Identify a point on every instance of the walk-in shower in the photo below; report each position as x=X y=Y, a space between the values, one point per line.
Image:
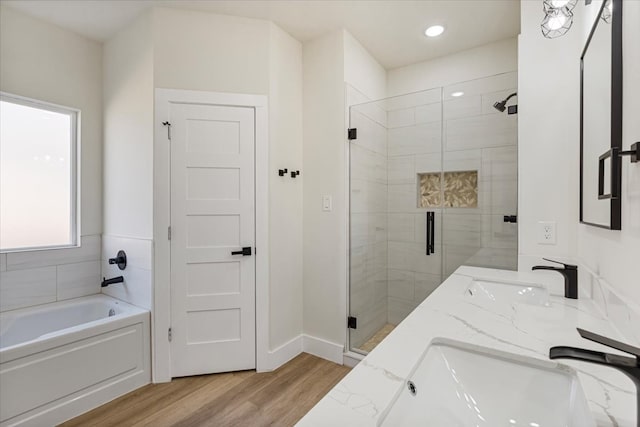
x=433 y=186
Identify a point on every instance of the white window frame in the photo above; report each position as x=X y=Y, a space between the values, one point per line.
x=75 y=181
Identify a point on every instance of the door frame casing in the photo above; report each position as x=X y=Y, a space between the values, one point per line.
x=161 y=315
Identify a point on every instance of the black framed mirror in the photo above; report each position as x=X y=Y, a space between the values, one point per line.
x=601 y=120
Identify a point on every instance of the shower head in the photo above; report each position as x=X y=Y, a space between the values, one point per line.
x=502 y=105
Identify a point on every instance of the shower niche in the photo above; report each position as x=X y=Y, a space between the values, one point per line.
x=451 y=189
x=432 y=175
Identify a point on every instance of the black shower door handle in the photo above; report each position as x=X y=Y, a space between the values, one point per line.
x=431 y=232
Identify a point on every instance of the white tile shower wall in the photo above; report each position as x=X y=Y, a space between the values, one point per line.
x=473 y=136
x=39 y=277
x=137 y=288
x=414 y=144
x=368 y=222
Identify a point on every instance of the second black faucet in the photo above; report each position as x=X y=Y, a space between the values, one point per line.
x=570 y=273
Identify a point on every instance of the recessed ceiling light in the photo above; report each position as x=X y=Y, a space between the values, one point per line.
x=434 y=31
x=457 y=94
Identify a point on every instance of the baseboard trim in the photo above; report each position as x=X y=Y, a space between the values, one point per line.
x=284 y=353
x=322 y=348
x=304 y=343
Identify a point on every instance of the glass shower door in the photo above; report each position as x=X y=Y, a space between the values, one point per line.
x=395 y=212
x=367 y=223
x=433 y=186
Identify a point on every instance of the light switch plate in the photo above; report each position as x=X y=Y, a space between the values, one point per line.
x=326 y=203
x=547 y=232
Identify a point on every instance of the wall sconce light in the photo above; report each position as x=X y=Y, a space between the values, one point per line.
x=558 y=17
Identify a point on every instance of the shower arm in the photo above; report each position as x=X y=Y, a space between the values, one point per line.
x=509 y=97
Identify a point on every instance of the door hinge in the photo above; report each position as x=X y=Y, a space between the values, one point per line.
x=352 y=322
x=168 y=125
x=169 y=232
x=170 y=334
x=352 y=133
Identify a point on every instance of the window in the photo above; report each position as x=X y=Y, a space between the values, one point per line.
x=38 y=175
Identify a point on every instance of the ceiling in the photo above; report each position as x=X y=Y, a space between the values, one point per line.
x=392 y=31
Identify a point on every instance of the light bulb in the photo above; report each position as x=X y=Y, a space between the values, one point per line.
x=457 y=94
x=557 y=21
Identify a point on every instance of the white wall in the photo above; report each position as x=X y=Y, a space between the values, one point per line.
x=128 y=118
x=336 y=70
x=549 y=122
x=483 y=61
x=324 y=233
x=285 y=193
x=128 y=160
x=362 y=71
x=189 y=50
x=548 y=93
x=205 y=51
x=48 y=63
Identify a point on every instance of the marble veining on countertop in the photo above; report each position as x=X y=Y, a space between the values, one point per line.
x=528 y=330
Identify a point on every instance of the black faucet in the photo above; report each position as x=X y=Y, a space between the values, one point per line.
x=107 y=282
x=628 y=365
x=570 y=273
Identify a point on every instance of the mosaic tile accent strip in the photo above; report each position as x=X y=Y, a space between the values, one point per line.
x=460 y=189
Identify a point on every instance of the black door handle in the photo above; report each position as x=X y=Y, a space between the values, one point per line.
x=431 y=232
x=246 y=251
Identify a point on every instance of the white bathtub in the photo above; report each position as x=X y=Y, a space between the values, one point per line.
x=59 y=360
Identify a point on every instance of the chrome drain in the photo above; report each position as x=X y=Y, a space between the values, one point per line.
x=412 y=388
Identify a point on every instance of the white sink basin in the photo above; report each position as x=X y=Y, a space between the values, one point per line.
x=459 y=385
x=524 y=293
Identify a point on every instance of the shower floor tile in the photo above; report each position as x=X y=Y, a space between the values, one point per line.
x=377 y=337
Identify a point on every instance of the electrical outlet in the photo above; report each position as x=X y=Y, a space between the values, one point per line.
x=547 y=232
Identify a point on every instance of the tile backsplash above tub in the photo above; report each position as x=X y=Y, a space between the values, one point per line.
x=38 y=277
x=137 y=286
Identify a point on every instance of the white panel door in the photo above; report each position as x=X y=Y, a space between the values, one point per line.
x=212 y=215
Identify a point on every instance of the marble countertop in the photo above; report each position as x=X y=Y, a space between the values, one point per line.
x=362 y=396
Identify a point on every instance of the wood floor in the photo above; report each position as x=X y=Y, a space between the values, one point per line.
x=278 y=398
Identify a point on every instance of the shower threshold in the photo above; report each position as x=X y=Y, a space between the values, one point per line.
x=377 y=338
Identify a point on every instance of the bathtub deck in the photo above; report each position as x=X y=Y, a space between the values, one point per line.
x=278 y=398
